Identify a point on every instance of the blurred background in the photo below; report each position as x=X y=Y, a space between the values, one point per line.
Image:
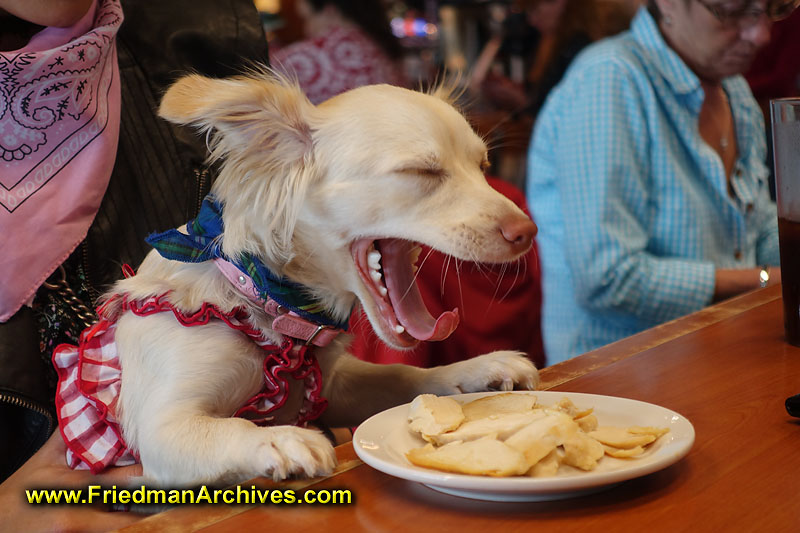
x=499 y=51
x=506 y=54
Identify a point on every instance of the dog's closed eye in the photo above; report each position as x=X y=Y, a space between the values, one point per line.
x=428 y=166
x=424 y=171
x=432 y=172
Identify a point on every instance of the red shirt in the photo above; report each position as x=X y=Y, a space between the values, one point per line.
x=494 y=316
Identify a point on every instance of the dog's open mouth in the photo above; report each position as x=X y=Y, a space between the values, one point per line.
x=387 y=267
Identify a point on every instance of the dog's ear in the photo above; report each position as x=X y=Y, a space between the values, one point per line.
x=261 y=129
x=258 y=112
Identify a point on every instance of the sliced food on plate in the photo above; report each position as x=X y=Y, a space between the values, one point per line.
x=512 y=435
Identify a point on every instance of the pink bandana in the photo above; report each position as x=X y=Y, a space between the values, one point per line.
x=59 y=125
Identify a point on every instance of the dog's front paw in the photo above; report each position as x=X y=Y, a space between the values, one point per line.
x=287 y=450
x=500 y=370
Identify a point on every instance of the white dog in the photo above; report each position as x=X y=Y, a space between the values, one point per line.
x=334 y=198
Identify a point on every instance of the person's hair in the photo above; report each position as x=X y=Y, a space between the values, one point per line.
x=579 y=19
x=579 y=16
x=652 y=7
x=370 y=16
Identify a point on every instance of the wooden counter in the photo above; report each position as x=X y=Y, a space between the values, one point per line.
x=726 y=368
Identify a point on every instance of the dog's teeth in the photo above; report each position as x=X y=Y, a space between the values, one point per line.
x=414 y=254
x=383 y=290
x=374 y=259
x=399 y=329
x=414 y=269
x=375 y=275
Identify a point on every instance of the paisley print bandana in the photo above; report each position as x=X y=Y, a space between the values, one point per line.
x=59 y=126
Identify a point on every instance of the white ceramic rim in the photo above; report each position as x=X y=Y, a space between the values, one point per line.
x=376 y=441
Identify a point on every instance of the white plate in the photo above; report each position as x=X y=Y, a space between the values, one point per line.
x=384 y=439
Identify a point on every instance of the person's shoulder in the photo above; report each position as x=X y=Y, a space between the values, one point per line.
x=604 y=67
x=619 y=53
x=609 y=71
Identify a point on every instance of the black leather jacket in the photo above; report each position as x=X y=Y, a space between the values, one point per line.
x=158 y=182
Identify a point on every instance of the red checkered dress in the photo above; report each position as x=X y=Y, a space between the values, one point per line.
x=89 y=382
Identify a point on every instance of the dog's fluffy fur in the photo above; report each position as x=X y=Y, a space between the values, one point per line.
x=305 y=188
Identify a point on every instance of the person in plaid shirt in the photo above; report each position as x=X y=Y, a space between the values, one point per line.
x=646 y=175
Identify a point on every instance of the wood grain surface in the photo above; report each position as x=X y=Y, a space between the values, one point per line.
x=726 y=368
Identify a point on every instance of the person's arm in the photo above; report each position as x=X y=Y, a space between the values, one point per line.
x=606 y=192
x=765 y=212
x=730 y=282
x=767 y=249
x=764 y=218
x=46 y=469
x=58 y=13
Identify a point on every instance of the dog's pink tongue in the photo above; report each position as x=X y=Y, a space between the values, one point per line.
x=405 y=296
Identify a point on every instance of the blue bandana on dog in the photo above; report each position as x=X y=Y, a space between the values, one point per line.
x=204 y=243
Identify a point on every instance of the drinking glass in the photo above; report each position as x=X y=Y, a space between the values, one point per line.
x=786 y=150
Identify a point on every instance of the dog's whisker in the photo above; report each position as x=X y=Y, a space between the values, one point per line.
x=507 y=118
x=458 y=278
x=419 y=269
x=489 y=137
x=513 y=282
x=361 y=318
x=484 y=271
x=524 y=264
x=497 y=283
x=443 y=277
x=421 y=264
x=508 y=143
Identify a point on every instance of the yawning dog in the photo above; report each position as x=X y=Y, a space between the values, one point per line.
x=315 y=209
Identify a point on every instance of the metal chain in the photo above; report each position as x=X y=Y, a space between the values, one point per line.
x=62 y=288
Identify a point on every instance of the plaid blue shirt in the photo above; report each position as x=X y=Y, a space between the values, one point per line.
x=632 y=205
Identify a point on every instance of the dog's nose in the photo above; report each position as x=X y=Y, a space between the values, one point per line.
x=519 y=232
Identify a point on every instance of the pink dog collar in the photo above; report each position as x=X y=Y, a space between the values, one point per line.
x=285 y=323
